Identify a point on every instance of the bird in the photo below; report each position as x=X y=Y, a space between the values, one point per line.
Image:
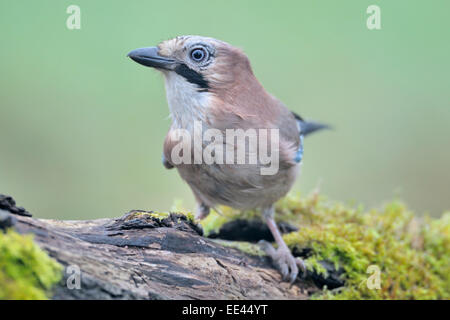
x=211 y=83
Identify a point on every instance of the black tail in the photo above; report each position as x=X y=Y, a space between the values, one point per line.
x=307 y=127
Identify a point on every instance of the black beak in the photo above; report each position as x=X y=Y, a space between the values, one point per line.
x=149 y=57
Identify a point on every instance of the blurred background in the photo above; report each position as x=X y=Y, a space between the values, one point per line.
x=82 y=126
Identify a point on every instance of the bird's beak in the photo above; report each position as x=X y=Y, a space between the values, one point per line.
x=149 y=57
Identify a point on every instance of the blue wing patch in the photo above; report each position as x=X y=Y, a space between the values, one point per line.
x=299 y=155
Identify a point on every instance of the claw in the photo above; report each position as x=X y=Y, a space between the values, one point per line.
x=284 y=261
x=302 y=266
x=294 y=269
x=284 y=270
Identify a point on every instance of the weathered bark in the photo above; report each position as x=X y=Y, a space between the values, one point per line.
x=142 y=257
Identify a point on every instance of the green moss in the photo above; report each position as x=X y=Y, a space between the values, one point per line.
x=246 y=247
x=215 y=220
x=190 y=216
x=411 y=253
x=287 y=209
x=152 y=214
x=180 y=209
x=26 y=272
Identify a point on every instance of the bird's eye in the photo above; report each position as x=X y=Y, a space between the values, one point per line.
x=198 y=54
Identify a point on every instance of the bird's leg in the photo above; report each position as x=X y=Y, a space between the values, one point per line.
x=282 y=256
x=202 y=211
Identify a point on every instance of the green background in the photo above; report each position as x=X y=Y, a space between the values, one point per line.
x=82 y=126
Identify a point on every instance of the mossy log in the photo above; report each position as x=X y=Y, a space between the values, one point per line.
x=386 y=253
x=141 y=256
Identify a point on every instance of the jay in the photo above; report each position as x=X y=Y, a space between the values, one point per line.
x=211 y=83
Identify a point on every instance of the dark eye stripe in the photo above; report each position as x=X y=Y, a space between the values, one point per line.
x=192 y=76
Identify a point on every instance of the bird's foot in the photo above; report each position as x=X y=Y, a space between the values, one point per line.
x=284 y=261
x=202 y=211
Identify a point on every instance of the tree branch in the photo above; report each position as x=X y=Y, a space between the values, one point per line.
x=142 y=256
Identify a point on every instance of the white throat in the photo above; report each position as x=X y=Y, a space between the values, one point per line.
x=186 y=103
